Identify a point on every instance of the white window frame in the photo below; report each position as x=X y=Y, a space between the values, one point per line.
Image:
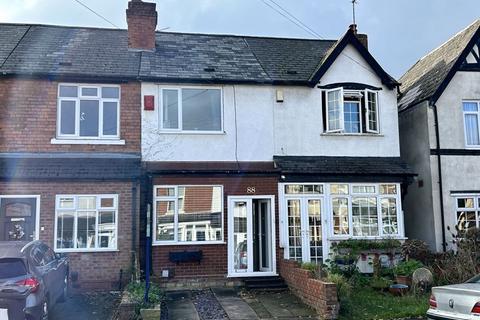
x=477 y=113
x=475 y=209
x=174 y=198
x=367 y=112
x=180 y=110
x=101 y=101
x=98 y=198
x=363 y=115
x=341 y=118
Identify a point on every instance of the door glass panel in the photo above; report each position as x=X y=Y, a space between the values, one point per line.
x=315 y=230
x=294 y=230
x=241 y=262
x=264 y=239
x=17 y=209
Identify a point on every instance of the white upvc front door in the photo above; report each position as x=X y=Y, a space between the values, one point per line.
x=242 y=230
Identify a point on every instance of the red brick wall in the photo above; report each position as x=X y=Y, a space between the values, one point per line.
x=96 y=270
x=215 y=256
x=321 y=296
x=28 y=118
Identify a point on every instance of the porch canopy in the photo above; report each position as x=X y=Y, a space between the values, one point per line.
x=343 y=169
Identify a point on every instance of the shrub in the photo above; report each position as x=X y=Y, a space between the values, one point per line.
x=417 y=250
x=380 y=283
x=406 y=268
x=344 y=288
x=136 y=292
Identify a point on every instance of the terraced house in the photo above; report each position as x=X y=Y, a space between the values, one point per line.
x=242 y=153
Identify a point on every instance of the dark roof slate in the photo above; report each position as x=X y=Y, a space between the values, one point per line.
x=425 y=77
x=50 y=50
x=343 y=166
x=89 y=168
x=79 y=52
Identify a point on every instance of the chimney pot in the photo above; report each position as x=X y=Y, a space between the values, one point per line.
x=142 y=22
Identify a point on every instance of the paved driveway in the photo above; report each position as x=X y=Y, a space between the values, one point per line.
x=226 y=303
x=94 y=306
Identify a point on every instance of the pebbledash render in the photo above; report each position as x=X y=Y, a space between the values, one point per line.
x=245 y=154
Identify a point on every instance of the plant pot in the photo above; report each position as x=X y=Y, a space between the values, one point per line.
x=398 y=289
x=406 y=280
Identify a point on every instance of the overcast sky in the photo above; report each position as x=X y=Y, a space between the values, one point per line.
x=400 y=31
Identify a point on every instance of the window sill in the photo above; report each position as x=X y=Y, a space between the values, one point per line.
x=88 y=141
x=192 y=243
x=472 y=147
x=194 y=133
x=85 y=250
x=333 y=134
x=343 y=238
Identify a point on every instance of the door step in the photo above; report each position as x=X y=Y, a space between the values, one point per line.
x=273 y=283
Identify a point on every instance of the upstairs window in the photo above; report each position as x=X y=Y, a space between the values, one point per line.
x=86 y=111
x=351 y=111
x=191 y=109
x=471 y=116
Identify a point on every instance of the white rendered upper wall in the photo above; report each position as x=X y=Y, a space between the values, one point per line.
x=256 y=127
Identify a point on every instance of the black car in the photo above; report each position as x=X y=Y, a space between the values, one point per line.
x=32 y=279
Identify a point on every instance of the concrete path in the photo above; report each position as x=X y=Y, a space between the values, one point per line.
x=180 y=306
x=235 y=307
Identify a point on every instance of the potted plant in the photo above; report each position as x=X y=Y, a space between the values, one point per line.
x=404 y=271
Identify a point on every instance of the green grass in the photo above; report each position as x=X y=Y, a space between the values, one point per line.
x=367 y=304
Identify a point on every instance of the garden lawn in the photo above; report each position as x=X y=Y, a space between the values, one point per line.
x=366 y=303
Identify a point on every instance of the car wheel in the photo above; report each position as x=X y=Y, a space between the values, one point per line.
x=64 y=295
x=45 y=309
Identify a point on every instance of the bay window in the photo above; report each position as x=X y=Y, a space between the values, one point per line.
x=188 y=214
x=364 y=210
x=351 y=111
x=191 y=109
x=86 y=222
x=471 y=117
x=88 y=111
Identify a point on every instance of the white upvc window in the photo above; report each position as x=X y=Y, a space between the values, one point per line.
x=189 y=214
x=467 y=211
x=191 y=109
x=88 y=111
x=365 y=210
x=86 y=222
x=352 y=111
x=371 y=111
x=471 y=119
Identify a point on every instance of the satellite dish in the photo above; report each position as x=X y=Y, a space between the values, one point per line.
x=422 y=278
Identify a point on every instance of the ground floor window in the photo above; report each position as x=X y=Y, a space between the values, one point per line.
x=86 y=222
x=313 y=213
x=188 y=214
x=467 y=212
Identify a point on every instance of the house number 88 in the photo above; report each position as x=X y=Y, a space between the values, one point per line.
x=250 y=189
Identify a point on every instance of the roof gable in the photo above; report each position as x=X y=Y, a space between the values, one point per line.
x=337 y=49
x=428 y=78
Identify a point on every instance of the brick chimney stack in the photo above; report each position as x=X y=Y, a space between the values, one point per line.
x=142 y=22
x=362 y=37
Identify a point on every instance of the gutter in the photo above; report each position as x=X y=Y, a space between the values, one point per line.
x=440 y=180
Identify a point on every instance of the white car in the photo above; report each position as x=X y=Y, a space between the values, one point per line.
x=456 y=302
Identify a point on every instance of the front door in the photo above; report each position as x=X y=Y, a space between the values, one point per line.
x=305 y=232
x=251 y=236
x=18 y=219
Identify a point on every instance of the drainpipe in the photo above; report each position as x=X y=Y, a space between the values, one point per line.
x=440 y=180
x=134 y=225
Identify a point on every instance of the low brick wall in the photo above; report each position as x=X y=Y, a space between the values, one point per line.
x=320 y=295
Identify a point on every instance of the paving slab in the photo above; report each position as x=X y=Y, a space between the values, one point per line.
x=235 y=307
x=180 y=306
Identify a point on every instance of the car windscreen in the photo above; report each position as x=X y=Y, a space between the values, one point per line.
x=475 y=279
x=12 y=268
